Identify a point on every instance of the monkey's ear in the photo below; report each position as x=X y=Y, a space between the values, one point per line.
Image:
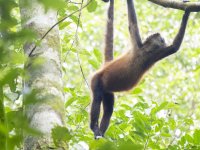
x=105 y=0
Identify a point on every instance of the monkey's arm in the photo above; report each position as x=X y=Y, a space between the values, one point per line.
x=108 y=50
x=133 y=26
x=178 y=39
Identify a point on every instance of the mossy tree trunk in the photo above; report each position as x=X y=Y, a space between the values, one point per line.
x=45 y=107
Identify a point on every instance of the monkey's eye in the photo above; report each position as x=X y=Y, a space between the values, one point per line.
x=162 y=40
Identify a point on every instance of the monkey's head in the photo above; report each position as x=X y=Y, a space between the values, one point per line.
x=153 y=42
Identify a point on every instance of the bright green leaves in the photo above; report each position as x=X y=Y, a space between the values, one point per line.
x=8 y=76
x=17 y=123
x=137 y=90
x=61 y=136
x=96 y=59
x=70 y=7
x=58 y=4
x=159 y=108
x=196 y=137
x=7 y=21
x=104 y=144
x=92 y=6
x=64 y=24
x=190 y=141
x=76 y=20
x=98 y=55
x=141 y=124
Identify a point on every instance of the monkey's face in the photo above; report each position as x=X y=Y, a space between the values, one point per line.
x=155 y=41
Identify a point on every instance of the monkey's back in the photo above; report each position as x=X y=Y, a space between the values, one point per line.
x=122 y=74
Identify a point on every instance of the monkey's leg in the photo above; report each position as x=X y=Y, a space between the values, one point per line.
x=108 y=103
x=95 y=111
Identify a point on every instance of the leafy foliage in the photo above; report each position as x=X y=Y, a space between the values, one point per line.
x=162 y=112
x=51 y=4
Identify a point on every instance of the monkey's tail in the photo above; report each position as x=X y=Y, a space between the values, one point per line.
x=108 y=50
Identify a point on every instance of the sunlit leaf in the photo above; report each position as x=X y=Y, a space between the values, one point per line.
x=60 y=134
x=64 y=24
x=53 y=4
x=196 y=136
x=92 y=6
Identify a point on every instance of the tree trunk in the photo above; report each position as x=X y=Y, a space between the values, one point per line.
x=45 y=108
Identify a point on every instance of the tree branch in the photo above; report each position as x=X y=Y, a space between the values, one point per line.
x=190 y=6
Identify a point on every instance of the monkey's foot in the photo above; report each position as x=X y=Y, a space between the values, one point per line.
x=98 y=137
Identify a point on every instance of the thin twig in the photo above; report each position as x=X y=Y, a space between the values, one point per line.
x=57 y=24
x=81 y=68
x=75 y=35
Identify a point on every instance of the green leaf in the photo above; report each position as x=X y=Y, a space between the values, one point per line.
x=8 y=75
x=196 y=136
x=84 y=52
x=64 y=24
x=165 y=132
x=188 y=121
x=130 y=146
x=93 y=63
x=182 y=141
x=12 y=85
x=159 y=108
x=141 y=105
x=189 y=138
x=97 y=143
x=92 y=6
x=98 y=55
x=60 y=135
x=69 y=102
x=141 y=134
x=73 y=8
x=75 y=19
x=53 y=4
x=137 y=91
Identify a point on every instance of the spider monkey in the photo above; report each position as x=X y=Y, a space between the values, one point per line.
x=125 y=72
